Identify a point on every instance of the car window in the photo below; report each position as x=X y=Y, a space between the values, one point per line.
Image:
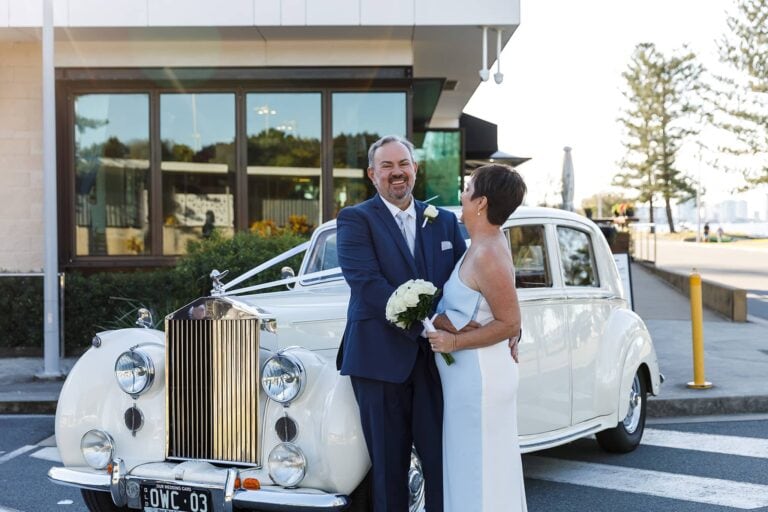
x=324 y=255
x=577 y=256
x=529 y=254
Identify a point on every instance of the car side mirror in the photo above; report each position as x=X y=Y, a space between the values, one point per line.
x=287 y=273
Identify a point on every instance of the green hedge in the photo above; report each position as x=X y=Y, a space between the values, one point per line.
x=109 y=300
x=21 y=320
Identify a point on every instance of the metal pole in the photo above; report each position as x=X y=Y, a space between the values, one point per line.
x=51 y=279
x=697 y=330
x=698 y=202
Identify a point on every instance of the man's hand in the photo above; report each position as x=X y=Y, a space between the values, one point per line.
x=514 y=344
x=513 y=349
x=442 y=322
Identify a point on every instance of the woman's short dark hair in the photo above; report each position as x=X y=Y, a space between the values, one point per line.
x=504 y=188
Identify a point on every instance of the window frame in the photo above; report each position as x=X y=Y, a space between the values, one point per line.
x=71 y=82
x=593 y=257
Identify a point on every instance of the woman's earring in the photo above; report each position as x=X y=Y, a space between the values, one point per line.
x=478 y=212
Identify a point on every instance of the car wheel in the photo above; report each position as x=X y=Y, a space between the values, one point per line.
x=361 y=497
x=627 y=434
x=98 y=501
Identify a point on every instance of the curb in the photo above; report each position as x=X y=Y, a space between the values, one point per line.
x=661 y=408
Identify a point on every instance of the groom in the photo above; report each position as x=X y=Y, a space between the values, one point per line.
x=382 y=243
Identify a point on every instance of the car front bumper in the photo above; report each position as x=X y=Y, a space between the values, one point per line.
x=221 y=483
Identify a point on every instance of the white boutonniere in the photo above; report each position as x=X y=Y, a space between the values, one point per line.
x=430 y=214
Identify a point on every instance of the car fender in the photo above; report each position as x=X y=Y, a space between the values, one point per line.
x=328 y=426
x=91 y=399
x=626 y=346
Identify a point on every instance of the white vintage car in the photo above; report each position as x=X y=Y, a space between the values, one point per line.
x=238 y=404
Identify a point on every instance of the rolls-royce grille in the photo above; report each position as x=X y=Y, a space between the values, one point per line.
x=213 y=390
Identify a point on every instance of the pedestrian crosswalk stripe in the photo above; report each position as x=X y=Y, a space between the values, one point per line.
x=50 y=453
x=16 y=453
x=712 y=491
x=726 y=445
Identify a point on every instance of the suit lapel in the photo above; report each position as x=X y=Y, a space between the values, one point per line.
x=391 y=226
x=425 y=237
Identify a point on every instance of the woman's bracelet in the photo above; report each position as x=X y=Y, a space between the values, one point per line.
x=454 y=342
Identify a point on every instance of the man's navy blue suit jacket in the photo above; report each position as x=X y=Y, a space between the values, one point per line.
x=375 y=260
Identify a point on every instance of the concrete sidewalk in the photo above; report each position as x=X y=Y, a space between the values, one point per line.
x=736 y=361
x=735 y=354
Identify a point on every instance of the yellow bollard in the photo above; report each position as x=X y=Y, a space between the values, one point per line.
x=697 y=328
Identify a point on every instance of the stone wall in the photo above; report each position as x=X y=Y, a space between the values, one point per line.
x=21 y=157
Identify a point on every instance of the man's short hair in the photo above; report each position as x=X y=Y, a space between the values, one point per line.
x=386 y=140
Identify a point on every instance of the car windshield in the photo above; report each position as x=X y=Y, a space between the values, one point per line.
x=323 y=256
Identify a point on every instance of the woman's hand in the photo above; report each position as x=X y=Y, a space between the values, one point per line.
x=442 y=341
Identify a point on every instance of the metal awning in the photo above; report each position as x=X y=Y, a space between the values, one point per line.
x=481 y=144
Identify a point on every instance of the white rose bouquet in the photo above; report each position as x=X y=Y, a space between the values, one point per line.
x=412 y=302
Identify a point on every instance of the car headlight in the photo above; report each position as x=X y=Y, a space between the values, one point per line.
x=134 y=371
x=282 y=378
x=287 y=465
x=97 y=447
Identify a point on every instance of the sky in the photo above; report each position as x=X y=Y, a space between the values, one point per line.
x=562 y=87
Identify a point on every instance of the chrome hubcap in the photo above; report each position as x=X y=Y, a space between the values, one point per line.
x=415 y=484
x=632 y=420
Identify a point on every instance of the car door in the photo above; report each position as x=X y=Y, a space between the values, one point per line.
x=587 y=310
x=544 y=395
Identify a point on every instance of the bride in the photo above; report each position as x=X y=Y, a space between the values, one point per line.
x=482 y=470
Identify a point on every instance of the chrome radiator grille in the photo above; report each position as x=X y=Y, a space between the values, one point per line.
x=212 y=383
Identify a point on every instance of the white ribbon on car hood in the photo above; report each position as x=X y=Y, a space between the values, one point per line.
x=288 y=280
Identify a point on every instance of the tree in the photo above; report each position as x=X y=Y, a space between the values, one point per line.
x=662 y=93
x=742 y=100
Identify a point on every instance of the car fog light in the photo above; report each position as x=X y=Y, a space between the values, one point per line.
x=287 y=465
x=282 y=378
x=97 y=447
x=134 y=372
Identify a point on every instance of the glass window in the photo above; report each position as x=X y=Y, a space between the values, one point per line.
x=197 y=135
x=440 y=173
x=359 y=119
x=529 y=254
x=579 y=268
x=324 y=256
x=111 y=174
x=283 y=159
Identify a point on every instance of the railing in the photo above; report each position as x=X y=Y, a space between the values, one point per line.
x=643 y=242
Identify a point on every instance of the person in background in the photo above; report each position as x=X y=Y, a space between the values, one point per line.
x=208 y=226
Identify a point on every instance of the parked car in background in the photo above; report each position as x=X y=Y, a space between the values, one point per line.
x=238 y=404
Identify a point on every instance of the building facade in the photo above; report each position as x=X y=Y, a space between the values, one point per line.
x=176 y=118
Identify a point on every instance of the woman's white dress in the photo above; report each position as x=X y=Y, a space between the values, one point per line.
x=482 y=470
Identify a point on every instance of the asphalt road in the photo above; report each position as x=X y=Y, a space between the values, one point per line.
x=730 y=264
x=703 y=465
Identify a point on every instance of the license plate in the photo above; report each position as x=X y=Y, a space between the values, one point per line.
x=169 y=497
